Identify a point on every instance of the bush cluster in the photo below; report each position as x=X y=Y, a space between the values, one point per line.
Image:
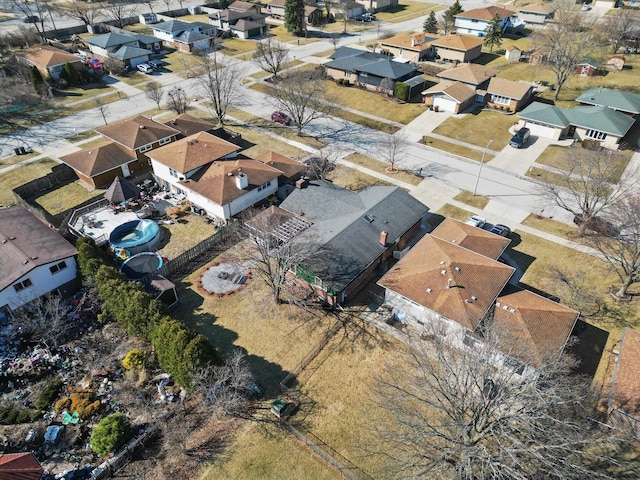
x=343 y=81
x=401 y=91
x=110 y=433
x=179 y=348
x=49 y=393
x=12 y=416
x=134 y=359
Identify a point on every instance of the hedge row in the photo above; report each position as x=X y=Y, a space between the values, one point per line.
x=179 y=348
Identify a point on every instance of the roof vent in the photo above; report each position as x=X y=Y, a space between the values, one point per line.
x=4 y=240
x=457 y=269
x=497 y=304
x=368 y=218
x=443 y=271
x=449 y=280
x=441 y=262
x=466 y=300
x=12 y=238
x=142 y=127
x=34 y=258
x=230 y=174
x=513 y=310
x=474 y=298
x=453 y=241
x=505 y=307
x=24 y=262
x=429 y=290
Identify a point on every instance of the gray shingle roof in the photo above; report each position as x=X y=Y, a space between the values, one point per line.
x=111 y=39
x=353 y=60
x=349 y=242
x=171 y=26
x=609 y=97
x=127 y=53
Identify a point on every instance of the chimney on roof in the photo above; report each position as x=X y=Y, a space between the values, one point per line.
x=413 y=41
x=242 y=181
x=383 y=238
x=302 y=182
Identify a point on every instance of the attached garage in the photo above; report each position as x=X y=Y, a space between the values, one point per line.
x=448 y=96
x=445 y=104
x=543 y=131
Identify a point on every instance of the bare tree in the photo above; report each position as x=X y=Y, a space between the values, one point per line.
x=271 y=56
x=227 y=388
x=589 y=185
x=622 y=251
x=154 y=92
x=566 y=41
x=119 y=11
x=44 y=320
x=102 y=109
x=178 y=100
x=334 y=38
x=150 y=4
x=480 y=412
x=220 y=83
x=320 y=166
x=347 y=7
x=302 y=96
x=32 y=8
x=394 y=145
x=616 y=28
x=79 y=10
x=574 y=287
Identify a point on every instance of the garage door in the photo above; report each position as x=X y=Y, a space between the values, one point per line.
x=445 y=104
x=137 y=61
x=543 y=131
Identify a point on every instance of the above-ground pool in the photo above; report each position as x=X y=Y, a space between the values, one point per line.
x=141 y=265
x=136 y=236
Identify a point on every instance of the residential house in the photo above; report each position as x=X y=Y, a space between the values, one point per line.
x=587 y=67
x=147 y=18
x=508 y=95
x=377 y=5
x=624 y=398
x=34 y=259
x=536 y=13
x=241 y=19
x=312 y=14
x=618 y=100
x=475 y=22
x=367 y=69
x=512 y=54
x=20 y=466
x=457 y=48
x=185 y=36
x=449 y=96
x=474 y=75
x=292 y=170
x=601 y=124
x=99 y=165
x=49 y=60
x=204 y=169
x=452 y=280
x=188 y=125
x=130 y=49
x=356 y=234
x=414 y=47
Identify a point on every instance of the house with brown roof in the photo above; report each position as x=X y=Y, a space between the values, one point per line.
x=475 y=22
x=536 y=13
x=188 y=125
x=474 y=75
x=242 y=19
x=292 y=170
x=624 y=397
x=312 y=14
x=34 y=259
x=99 y=165
x=448 y=96
x=20 y=466
x=508 y=95
x=457 y=48
x=452 y=279
x=414 y=47
x=49 y=60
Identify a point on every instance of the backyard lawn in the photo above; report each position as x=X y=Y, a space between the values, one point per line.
x=479 y=128
x=68 y=196
x=21 y=175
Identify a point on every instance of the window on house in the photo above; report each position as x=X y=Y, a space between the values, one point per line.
x=264 y=185
x=58 y=266
x=595 y=135
x=164 y=141
x=145 y=148
x=173 y=173
x=500 y=99
x=22 y=285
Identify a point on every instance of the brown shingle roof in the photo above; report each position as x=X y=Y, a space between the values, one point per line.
x=46 y=56
x=469 y=73
x=218 y=185
x=19 y=466
x=135 y=132
x=288 y=166
x=414 y=41
x=471 y=238
x=458 y=42
x=508 y=88
x=625 y=388
x=486 y=13
x=188 y=124
x=27 y=243
x=193 y=152
x=545 y=8
x=536 y=325
x=450 y=280
x=99 y=158
x=456 y=90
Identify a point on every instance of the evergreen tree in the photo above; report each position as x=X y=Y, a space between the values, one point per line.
x=493 y=33
x=294 y=16
x=36 y=78
x=450 y=14
x=430 y=24
x=70 y=74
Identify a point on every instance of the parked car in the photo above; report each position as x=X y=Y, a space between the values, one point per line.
x=155 y=64
x=500 y=229
x=598 y=225
x=476 y=221
x=30 y=19
x=520 y=138
x=281 y=117
x=366 y=17
x=145 y=68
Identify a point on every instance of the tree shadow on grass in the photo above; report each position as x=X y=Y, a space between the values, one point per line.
x=587 y=347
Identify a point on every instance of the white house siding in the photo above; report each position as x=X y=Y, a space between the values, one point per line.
x=42 y=282
x=103 y=52
x=252 y=197
x=611 y=141
x=470 y=27
x=138 y=60
x=162 y=35
x=536 y=18
x=445 y=104
x=542 y=130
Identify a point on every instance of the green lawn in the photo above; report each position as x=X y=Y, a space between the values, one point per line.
x=479 y=128
x=66 y=197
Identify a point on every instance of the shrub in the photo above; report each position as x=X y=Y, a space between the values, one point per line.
x=49 y=393
x=90 y=409
x=111 y=433
x=134 y=359
x=81 y=399
x=63 y=404
x=11 y=416
x=401 y=91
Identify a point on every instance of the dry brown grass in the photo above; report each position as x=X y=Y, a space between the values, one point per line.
x=380 y=167
x=21 y=175
x=560 y=157
x=467 y=197
x=546 y=176
x=479 y=128
x=66 y=197
x=185 y=233
x=551 y=226
x=353 y=179
x=454 y=212
x=456 y=149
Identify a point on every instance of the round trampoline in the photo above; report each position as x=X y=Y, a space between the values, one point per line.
x=141 y=265
x=136 y=236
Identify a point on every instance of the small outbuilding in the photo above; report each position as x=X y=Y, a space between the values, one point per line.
x=512 y=54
